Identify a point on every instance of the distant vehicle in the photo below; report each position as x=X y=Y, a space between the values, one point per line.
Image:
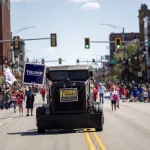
x=70 y=103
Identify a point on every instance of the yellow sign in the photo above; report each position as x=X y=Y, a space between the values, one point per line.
x=68 y=94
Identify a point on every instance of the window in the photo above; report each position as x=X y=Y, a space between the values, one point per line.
x=73 y=75
x=57 y=75
x=4 y=1
x=8 y=4
x=78 y=75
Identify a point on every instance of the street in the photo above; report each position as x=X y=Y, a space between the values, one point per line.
x=125 y=129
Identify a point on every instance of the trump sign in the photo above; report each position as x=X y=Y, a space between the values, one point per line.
x=34 y=73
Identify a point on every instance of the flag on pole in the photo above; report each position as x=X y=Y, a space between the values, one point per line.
x=49 y=83
x=9 y=77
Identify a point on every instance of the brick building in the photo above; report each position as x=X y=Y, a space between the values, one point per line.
x=127 y=37
x=4 y=29
x=143 y=12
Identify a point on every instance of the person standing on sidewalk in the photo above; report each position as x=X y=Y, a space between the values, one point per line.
x=14 y=99
x=20 y=99
x=30 y=100
x=43 y=93
x=101 y=91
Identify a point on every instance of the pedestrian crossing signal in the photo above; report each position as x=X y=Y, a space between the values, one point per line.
x=87 y=43
x=118 y=43
x=53 y=40
x=78 y=61
x=60 y=61
x=43 y=61
x=93 y=61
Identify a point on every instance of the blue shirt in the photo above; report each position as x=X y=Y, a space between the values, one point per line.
x=139 y=90
x=135 y=92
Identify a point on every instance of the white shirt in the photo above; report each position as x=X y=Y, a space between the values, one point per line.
x=101 y=89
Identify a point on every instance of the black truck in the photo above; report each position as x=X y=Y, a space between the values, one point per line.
x=70 y=100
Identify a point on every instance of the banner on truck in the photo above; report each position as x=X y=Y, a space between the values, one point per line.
x=34 y=74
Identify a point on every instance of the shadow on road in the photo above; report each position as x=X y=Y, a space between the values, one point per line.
x=9 y=117
x=33 y=132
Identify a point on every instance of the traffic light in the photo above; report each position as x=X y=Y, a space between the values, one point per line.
x=27 y=59
x=60 y=61
x=118 y=43
x=43 y=61
x=53 y=40
x=87 y=43
x=16 y=43
x=78 y=61
x=93 y=61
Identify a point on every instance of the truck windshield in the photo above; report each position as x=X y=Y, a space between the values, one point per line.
x=73 y=75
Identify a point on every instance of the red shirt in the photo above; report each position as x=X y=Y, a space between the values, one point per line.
x=43 y=92
x=13 y=96
x=20 y=96
x=95 y=94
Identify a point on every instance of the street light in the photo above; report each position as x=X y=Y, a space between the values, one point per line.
x=22 y=29
x=117 y=27
x=14 y=33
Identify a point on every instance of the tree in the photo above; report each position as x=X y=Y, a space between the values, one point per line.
x=132 y=48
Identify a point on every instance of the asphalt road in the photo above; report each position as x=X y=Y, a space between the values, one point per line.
x=128 y=128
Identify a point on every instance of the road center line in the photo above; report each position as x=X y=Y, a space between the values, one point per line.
x=99 y=141
x=101 y=145
x=89 y=141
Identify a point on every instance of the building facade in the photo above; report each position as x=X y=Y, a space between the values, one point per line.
x=143 y=12
x=127 y=37
x=4 y=29
x=146 y=67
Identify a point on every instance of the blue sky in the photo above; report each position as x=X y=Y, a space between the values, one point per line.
x=72 y=20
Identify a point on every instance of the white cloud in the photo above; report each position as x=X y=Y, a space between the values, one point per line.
x=79 y=1
x=90 y=6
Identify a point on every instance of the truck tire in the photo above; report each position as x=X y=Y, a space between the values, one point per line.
x=102 y=123
x=41 y=130
x=40 y=111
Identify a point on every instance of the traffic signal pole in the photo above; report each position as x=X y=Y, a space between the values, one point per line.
x=36 y=39
x=123 y=43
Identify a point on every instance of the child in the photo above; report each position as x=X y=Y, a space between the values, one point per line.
x=114 y=98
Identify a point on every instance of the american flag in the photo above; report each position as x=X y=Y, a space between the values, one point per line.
x=48 y=82
x=86 y=82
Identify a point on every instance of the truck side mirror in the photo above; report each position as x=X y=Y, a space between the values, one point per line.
x=91 y=73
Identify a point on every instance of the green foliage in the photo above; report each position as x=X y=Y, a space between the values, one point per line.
x=132 y=49
x=118 y=69
x=118 y=55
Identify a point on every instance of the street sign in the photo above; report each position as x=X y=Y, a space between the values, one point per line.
x=16 y=43
x=34 y=74
x=148 y=43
